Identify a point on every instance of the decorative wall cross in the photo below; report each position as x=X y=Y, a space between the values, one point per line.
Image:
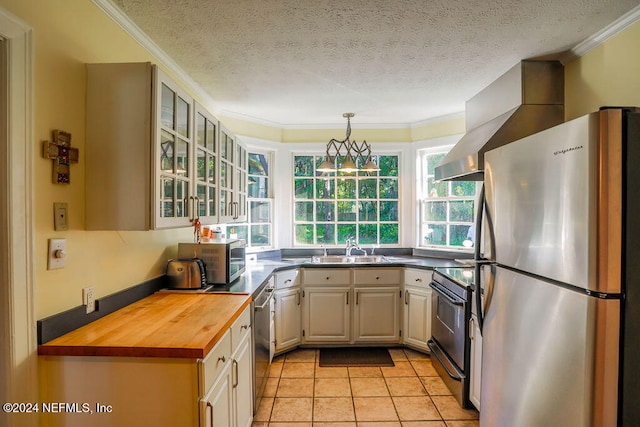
x=62 y=154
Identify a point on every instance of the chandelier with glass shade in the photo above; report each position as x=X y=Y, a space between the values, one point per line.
x=351 y=155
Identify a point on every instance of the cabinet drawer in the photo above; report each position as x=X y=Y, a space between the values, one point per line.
x=286 y=279
x=214 y=363
x=240 y=328
x=419 y=278
x=374 y=276
x=326 y=276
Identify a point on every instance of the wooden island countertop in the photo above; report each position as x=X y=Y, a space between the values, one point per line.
x=165 y=324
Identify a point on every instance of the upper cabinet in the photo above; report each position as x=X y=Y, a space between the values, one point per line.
x=155 y=158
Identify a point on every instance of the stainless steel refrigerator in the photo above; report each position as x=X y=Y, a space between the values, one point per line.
x=560 y=330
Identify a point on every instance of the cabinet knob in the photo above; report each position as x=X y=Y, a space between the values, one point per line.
x=244 y=327
x=377 y=277
x=418 y=280
x=327 y=277
x=222 y=359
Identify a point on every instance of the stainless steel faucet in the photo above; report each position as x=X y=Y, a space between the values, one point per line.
x=353 y=244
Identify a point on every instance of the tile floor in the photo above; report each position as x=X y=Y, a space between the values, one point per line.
x=299 y=393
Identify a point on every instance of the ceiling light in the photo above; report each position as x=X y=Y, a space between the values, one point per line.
x=353 y=156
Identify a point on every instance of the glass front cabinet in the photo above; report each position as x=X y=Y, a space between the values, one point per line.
x=155 y=157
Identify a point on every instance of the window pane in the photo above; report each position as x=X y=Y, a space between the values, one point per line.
x=346 y=211
x=435 y=211
x=211 y=138
x=463 y=188
x=436 y=189
x=200 y=129
x=304 y=188
x=182 y=195
x=260 y=211
x=260 y=235
x=201 y=157
x=368 y=211
x=367 y=234
x=182 y=151
x=346 y=188
x=435 y=235
x=345 y=231
x=461 y=211
x=303 y=166
x=258 y=164
x=326 y=234
x=458 y=234
x=325 y=211
x=304 y=211
x=389 y=211
x=388 y=165
x=388 y=188
x=367 y=188
x=166 y=155
x=325 y=188
x=304 y=234
x=258 y=187
x=432 y=161
x=239 y=232
x=211 y=169
x=388 y=233
x=168 y=100
x=183 y=117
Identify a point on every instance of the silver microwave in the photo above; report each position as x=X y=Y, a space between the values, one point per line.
x=224 y=260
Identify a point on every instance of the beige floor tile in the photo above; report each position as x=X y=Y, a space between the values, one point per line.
x=397 y=354
x=279 y=358
x=470 y=423
x=264 y=410
x=259 y=424
x=275 y=370
x=374 y=409
x=405 y=386
x=298 y=370
x=364 y=371
x=435 y=386
x=271 y=387
x=301 y=355
x=402 y=369
x=414 y=354
x=416 y=408
x=418 y=424
x=369 y=387
x=292 y=409
x=332 y=372
x=333 y=409
x=424 y=368
x=450 y=409
x=339 y=424
x=380 y=424
x=295 y=387
x=332 y=387
x=290 y=425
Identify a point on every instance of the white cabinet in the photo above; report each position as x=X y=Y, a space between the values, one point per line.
x=327 y=314
x=417 y=308
x=205 y=166
x=242 y=383
x=287 y=318
x=217 y=407
x=233 y=178
x=476 y=361
x=377 y=314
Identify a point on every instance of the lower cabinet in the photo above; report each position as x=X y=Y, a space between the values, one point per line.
x=326 y=314
x=376 y=314
x=476 y=361
x=217 y=407
x=417 y=308
x=288 y=313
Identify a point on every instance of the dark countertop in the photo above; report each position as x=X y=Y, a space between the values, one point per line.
x=257 y=273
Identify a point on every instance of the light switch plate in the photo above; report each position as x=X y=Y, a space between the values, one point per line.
x=60 y=216
x=57 y=253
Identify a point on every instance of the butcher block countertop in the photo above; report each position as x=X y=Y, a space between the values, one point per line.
x=165 y=324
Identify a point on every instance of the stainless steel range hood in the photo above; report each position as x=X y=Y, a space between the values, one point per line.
x=525 y=100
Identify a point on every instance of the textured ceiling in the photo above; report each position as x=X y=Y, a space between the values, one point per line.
x=295 y=62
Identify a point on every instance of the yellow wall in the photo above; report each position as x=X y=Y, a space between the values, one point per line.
x=608 y=74
x=70 y=33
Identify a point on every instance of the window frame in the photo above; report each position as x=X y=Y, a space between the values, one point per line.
x=270 y=200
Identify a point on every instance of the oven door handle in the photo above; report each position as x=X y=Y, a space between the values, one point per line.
x=446 y=294
x=263 y=306
x=435 y=350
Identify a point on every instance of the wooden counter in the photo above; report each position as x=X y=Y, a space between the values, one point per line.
x=165 y=324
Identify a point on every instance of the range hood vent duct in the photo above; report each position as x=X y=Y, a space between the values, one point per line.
x=527 y=99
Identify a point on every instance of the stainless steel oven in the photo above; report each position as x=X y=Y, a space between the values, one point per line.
x=450 y=314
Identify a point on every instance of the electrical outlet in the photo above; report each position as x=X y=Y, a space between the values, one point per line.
x=88 y=298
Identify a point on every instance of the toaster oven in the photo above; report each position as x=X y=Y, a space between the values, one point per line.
x=224 y=260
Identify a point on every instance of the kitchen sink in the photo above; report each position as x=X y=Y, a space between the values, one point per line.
x=352 y=259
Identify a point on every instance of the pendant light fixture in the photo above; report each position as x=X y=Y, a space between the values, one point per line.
x=355 y=156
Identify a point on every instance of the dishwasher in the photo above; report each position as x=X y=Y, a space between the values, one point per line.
x=263 y=339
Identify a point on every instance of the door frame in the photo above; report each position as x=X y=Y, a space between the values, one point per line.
x=18 y=334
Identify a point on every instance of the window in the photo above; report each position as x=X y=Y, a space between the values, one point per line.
x=447 y=208
x=331 y=207
x=258 y=230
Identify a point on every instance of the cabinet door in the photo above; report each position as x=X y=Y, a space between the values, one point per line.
x=287 y=319
x=417 y=317
x=327 y=314
x=476 y=362
x=240 y=183
x=376 y=314
x=227 y=175
x=216 y=407
x=242 y=383
x=173 y=154
x=205 y=166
